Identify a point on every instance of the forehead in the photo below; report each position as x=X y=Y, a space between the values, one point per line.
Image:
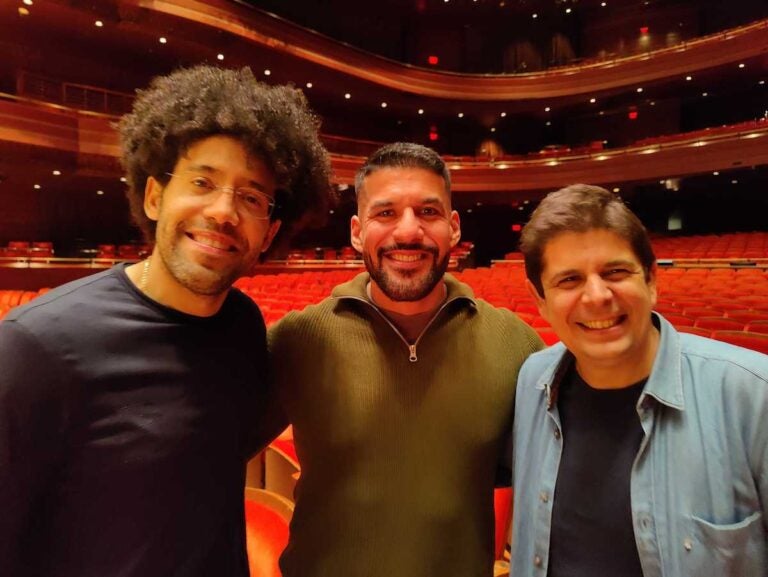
x=403 y=185
x=222 y=153
x=584 y=250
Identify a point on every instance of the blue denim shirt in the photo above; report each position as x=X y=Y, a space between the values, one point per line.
x=699 y=483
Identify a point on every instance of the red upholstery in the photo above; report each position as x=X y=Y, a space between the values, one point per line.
x=267 y=517
x=502 y=504
x=719 y=324
x=755 y=341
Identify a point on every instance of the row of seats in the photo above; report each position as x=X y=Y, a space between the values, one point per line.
x=714 y=303
x=24 y=248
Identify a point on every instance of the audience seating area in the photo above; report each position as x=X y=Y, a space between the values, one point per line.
x=726 y=303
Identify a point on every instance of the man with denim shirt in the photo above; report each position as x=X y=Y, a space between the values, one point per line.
x=638 y=451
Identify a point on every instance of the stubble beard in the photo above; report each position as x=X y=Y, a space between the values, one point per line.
x=410 y=288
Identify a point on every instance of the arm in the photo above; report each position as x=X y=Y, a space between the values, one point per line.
x=31 y=434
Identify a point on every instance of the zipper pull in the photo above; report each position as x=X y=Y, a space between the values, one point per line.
x=413 y=358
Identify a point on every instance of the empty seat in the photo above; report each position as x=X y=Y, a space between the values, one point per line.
x=755 y=341
x=267 y=518
x=719 y=324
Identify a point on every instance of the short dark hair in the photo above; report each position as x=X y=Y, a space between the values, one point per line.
x=273 y=123
x=581 y=208
x=403 y=155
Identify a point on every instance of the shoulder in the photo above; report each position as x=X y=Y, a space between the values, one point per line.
x=70 y=305
x=508 y=325
x=543 y=362
x=712 y=359
x=312 y=319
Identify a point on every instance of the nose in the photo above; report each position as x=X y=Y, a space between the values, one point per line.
x=596 y=290
x=408 y=227
x=223 y=208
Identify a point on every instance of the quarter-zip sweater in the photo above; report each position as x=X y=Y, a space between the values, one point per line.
x=399 y=443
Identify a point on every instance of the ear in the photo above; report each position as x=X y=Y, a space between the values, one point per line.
x=269 y=236
x=153 y=194
x=455 y=228
x=652 y=286
x=355 y=232
x=541 y=302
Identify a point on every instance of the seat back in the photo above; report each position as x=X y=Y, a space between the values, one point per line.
x=267 y=517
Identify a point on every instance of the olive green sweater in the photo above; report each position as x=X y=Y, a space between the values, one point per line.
x=398 y=446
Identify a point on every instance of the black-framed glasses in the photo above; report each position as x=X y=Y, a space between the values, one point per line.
x=250 y=200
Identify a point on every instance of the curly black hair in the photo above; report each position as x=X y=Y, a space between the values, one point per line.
x=274 y=123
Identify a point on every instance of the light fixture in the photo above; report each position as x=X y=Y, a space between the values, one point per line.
x=741 y=65
x=592 y=100
x=461 y=115
x=98 y=24
x=535 y=15
x=503 y=114
x=220 y=56
x=640 y=89
x=100 y=192
x=689 y=78
x=421 y=111
x=383 y=104
x=309 y=85
x=716 y=173
x=163 y=40
x=56 y=173
x=27 y=2
x=36 y=187
x=123 y=179
x=547 y=109
x=705 y=94
x=616 y=189
x=493 y=129
x=267 y=72
x=347 y=96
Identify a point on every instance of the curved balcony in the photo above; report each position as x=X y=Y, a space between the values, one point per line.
x=90 y=139
x=728 y=47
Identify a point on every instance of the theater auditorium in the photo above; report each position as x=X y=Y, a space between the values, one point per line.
x=662 y=102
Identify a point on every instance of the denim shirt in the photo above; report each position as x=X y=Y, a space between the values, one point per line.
x=699 y=483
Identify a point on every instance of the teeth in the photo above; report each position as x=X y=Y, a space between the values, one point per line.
x=212 y=243
x=600 y=324
x=405 y=257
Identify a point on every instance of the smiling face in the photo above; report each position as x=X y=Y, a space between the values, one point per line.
x=598 y=300
x=405 y=229
x=204 y=242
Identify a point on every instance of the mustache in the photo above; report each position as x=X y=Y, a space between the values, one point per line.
x=408 y=246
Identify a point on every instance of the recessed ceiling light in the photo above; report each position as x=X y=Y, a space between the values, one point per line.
x=741 y=65
x=689 y=78
x=309 y=85
x=616 y=189
x=547 y=109
x=549 y=123
x=23 y=11
x=56 y=173
x=734 y=181
x=99 y=192
x=383 y=104
x=123 y=179
x=347 y=96
x=36 y=187
x=535 y=15
x=567 y=10
x=421 y=111
x=640 y=89
x=603 y=4
x=27 y=2
x=220 y=56
x=493 y=129
x=330 y=211
x=716 y=173
x=503 y=114
x=267 y=72
x=761 y=82
x=593 y=100
x=705 y=94
x=98 y=23
x=163 y=40
x=461 y=115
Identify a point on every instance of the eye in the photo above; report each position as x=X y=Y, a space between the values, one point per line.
x=429 y=211
x=202 y=184
x=568 y=282
x=252 y=198
x=617 y=274
x=386 y=213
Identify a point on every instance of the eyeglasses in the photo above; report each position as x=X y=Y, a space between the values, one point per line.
x=252 y=201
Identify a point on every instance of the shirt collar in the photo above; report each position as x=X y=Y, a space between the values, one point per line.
x=665 y=383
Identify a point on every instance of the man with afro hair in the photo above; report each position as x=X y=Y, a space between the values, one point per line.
x=131 y=400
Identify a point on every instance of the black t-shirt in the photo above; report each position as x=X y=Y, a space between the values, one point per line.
x=125 y=427
x=592 y=533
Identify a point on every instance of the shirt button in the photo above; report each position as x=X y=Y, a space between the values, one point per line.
x=544 y=497
x=557 y=433
x=687 y=544
x=537 y=561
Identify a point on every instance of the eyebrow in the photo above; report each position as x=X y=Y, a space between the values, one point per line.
x=432 y=200
x=609 y=264
x=210 y=170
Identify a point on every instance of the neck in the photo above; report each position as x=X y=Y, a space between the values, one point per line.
x=152 y=279
x=429 y=303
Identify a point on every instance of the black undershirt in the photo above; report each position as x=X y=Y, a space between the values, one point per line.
x=592 y=533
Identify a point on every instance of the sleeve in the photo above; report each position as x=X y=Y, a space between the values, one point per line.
x=31 y=435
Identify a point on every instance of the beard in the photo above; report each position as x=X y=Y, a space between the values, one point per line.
x=408 y=285
x=198 y=276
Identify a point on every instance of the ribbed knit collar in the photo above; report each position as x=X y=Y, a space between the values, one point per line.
x=355 y=288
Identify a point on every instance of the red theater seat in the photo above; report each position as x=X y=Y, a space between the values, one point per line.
x=755 y=341
x=267 y=517
x=719 y=324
